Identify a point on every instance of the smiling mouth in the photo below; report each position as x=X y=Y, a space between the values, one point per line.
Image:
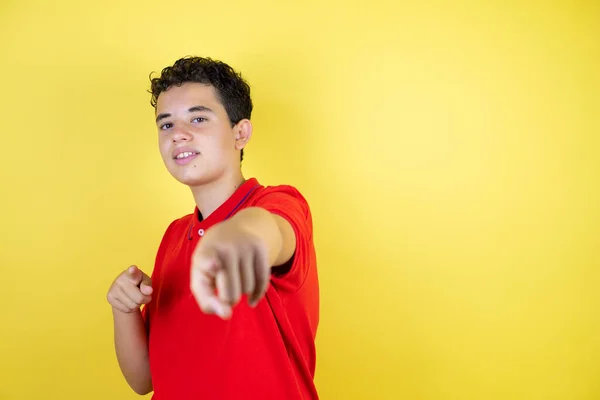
x=185 y=154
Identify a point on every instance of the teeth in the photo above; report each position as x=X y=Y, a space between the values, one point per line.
x=185 y=154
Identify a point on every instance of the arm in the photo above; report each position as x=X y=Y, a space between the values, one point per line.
x=272 y=229
x=129 y=291
x=131 y=346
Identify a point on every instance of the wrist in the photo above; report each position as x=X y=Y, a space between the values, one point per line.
x=130 y=314
x=262 y=225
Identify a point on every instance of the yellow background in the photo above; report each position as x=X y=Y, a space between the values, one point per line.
x=450 y=153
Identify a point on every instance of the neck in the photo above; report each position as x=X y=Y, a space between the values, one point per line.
x=211 y=195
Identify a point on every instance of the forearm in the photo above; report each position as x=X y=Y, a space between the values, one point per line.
x=131 y=346
x=266 y=226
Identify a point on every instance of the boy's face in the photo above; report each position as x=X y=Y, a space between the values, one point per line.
x=196 y=140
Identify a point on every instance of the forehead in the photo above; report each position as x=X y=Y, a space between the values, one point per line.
x=187 y=95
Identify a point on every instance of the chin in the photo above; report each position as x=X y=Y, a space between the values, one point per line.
x=191 y=179
x=193 y=174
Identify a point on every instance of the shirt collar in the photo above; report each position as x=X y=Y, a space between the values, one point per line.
x=228 y=207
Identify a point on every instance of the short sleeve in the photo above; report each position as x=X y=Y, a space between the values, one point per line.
x=287 y=202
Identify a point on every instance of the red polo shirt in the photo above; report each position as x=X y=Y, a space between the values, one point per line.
x=266 y=352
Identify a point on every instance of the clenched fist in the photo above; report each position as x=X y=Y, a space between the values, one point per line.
x=229 y=261
x=130 y=290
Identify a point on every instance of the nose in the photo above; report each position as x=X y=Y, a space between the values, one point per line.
x=181 y=134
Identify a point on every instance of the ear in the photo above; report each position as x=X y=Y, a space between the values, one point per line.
x=243 y=133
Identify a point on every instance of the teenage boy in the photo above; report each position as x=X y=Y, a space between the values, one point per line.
x=232 y=307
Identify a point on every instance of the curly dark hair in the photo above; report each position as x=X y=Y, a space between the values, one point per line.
x=232 y=90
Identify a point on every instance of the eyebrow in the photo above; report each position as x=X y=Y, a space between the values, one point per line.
x=191 y=110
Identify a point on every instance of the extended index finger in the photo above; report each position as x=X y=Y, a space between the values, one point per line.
x=203 y=283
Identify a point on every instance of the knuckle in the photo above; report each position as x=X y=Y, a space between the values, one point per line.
x=264 y=252
x=244 y=246
x=228 y=247
x=205 y=308
x=256 y=241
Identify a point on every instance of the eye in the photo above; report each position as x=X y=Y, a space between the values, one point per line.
x=166 y=126
x=199 y=119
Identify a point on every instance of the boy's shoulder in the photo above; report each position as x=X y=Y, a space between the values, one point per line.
x=280 y=190
x=283 y=199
